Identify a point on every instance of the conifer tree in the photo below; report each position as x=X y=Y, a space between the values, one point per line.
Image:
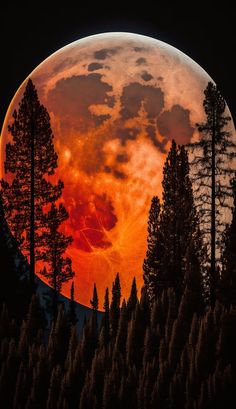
x=94 y=301
x=133 y=298
x=72 y=308
x=150 y=262
x=58 y=338
x=59 y=268
x=211 y=172
x=105 y=324
x=115 y=306
x=176 y=228
x=30 y=159
x=121 y=330
x=89 y=340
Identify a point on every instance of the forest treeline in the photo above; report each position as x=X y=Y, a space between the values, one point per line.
x=174 y=347
x=167 y=356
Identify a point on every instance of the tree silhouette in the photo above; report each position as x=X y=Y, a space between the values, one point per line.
x=94 y=301
x=211 y=174
x=171 y=232
x=115 y=306
x=133 y=298
x=175 y=359
x=72 y=308
x=30 y=159
x=150 y=262
x=54 y=244
x=105 y=324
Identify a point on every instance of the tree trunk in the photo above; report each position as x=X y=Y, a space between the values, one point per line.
x=213 y=217
x=32 y=208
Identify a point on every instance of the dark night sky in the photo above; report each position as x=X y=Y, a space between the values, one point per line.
x=31 y=31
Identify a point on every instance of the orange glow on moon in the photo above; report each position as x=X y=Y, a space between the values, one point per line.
x=115 y=101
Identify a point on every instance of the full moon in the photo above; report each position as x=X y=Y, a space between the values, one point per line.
x=116 y=100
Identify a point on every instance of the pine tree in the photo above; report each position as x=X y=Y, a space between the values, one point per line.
x=121 y=331
x=105 y=324
x=228 y=277
x=59 y=268
x=89 y=341
x=72 y=308
x=58 y=338
x=133 y=298
x=211 y=168
x=135 y=338
x=30 y=159
x=115 y=306
x=94 y=301
x=73 y=344
x=177 y=226
x=150 y=262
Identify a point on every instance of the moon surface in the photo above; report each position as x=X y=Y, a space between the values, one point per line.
x=116 y=100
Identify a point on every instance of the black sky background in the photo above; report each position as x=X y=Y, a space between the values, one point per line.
x=32 y=30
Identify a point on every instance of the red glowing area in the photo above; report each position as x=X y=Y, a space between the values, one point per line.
x=115 y=101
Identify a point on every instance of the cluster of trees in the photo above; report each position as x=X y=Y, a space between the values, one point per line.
x=30 y=199
x=172 y=348
x=166 y=356
x=212 y=172
x=184 y=231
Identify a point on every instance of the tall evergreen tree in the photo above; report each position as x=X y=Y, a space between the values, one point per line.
x=72 y=308
x=115 y=306
x=30 y=159
x=59 y=338
x=176 y=228
x=121 y=331
x=151 y=260
x=133 y=298
x=94 y=301
x=59 y=268
x=212 y=170
x=228 y=277
x=105 y=324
